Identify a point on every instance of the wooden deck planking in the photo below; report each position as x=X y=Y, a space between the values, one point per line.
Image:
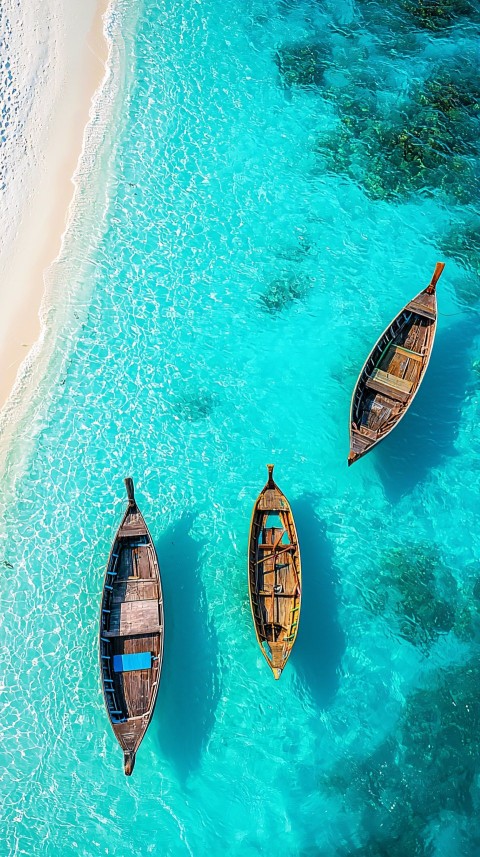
x=141 y=562
x=382 y=408
x=131 y=623
x=276 y=607
x=134 y=590
x=134 y=525
x=135 y=688
x=275 y=614
x=271 y=500
x=390 y=385
x=134 y=617
x=124 y=568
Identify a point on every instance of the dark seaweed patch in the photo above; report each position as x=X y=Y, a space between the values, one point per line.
x=452 y=90
x=426 y=146
x=336 y=149
x=467 y=291
x=427 y=768
x=407 y=842
x=284 y=291
x=439 y=15
x=301 y=64
x=194 y=406
x=410 y=579
x=376 y=787
x=294 y=252
x=440 y=734
x=462 y=243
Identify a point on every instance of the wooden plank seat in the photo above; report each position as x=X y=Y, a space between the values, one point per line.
x=400 y=349
x=144 y=633
x=420 y=309
x=390 y=385
x=368 y=432
x=275 y=554
x=134 y=589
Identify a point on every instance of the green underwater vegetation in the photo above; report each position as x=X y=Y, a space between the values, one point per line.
x=426 y=767
x=440 y=739
x=426 y=144
x=301 y=64
x=284 y=291
x=336 y=150
x=406 y=843
x=439 y=15
x=467 y=619
x=467 y=292
x=296 y=251
x=463 y=244
x=451 y=90
x=376 y=787
x=409 y=586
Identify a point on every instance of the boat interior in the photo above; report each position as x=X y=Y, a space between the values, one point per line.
x=275 y=585
x=131 y=634
x=391 y=376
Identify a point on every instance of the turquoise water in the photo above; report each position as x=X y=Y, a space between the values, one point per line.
x=263 y=226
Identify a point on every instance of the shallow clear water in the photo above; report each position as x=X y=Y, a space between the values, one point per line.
x=239 y=285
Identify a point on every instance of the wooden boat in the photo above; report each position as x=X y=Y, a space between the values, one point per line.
x=393 y=371
x=131 y=631
x=274 y=575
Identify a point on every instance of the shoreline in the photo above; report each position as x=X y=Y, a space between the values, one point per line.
x=75 y=65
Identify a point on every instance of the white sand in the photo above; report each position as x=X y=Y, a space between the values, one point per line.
x=52 y=61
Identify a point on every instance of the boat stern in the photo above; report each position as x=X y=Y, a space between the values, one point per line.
x=352 y=457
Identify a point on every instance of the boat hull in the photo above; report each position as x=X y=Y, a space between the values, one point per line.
x=131 y=632
x=274 y=576
x=393 y=372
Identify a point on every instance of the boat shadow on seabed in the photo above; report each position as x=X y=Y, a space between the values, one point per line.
x=189 y=689
x=428 y=432
x=320 y=645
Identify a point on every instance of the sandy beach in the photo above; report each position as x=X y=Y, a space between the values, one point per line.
x=55 y=56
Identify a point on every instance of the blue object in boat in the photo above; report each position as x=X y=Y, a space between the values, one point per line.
x=127 y=663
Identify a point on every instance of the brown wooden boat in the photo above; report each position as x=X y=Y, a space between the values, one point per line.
x=131 y=631
x=274 y=575
x=393 y=371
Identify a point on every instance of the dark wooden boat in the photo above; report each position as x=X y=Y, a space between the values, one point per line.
x=274 y=575
x=131 y=631
x=393 y=371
